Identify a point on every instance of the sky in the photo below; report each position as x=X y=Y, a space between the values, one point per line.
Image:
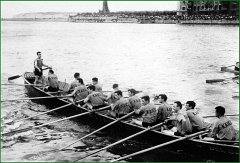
x=11 y=8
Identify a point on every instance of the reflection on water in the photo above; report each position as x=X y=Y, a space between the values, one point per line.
x=161 y=58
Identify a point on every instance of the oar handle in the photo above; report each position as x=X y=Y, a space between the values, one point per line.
x=229 y=115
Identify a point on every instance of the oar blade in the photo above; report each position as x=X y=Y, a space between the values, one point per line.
x=17 y=131
x=214 y=80
x=14 y=77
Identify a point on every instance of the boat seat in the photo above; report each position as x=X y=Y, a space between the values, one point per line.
x=63 y=86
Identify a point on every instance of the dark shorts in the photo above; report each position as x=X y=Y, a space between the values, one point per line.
x=145 y=124
x=37 y=72
x=99 y=106
x=51 y=89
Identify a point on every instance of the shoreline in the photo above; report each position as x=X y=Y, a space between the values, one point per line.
x=132 y=21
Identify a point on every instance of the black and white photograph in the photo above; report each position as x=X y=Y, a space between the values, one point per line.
x=119 y=81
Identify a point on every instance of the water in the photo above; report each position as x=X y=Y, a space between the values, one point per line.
x=160 y=58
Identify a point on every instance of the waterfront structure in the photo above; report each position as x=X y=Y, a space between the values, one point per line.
x=208 y=8
x=105 y=9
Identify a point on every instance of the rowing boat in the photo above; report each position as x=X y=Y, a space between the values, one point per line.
x=228 y=69
x=217 y=149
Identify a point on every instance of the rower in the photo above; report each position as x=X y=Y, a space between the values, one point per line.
x=236 y=68
x=148 y=111
x=223 y=128
x=121 y=106
x=75 y=83
x=111 y=98
x=95 y=99
x=164 y=110
x=134 y=100
x=98 y=88
x=80 y=92
x=183 y=124
x=52 y=81
x=197 y=122
x=38 y=72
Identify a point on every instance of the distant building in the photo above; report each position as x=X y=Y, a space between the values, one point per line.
x=208 y=7
x=105 y=9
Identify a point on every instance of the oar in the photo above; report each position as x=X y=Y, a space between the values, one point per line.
x=16 y=84
x=219 y=80
x=122 y=140
x=33 y=127
x=18 y=76
x=161 y=145
x=229 y=115
x=117 y=120
x=34 y=98
x=224 y=68
x=52 y=110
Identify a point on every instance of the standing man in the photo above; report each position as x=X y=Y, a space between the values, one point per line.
x=183 y=124
x=164 y=110
x=95 y=99
x=134 y=101
x=223 y=128
x=98 y=88
x=197 y=122
x=111 y=98
x=38 y=64
x=148 y=111
x=121 y=107
x=52 y=81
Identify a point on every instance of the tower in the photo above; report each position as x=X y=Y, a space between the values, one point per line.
x=105 y=7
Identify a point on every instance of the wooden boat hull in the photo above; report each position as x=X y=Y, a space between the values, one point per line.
x=228 y=152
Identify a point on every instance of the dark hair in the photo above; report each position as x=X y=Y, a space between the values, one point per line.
x=146 y=98
x=76 y=75
x=163 y=96
x=80 y=80
x=133 y=91
x=38 y=52
x=115 y=85
x=51 y=71
x=95 y=79
x=220 y=110
x=118 y=92
x=91 y=87
x=179 y=104
x=191 y=104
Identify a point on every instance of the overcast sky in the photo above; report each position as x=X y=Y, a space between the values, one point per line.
x=8 y=8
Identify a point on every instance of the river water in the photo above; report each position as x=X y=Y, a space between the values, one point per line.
x=156 y=58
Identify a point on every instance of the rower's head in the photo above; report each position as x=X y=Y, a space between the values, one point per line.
x=91 y=88
x=145 y=100
x=131 y=92
x=51 y=71
x=190 y=105
x=80 y=81
x=94 y=80
x=77 y=75
x=220 y=111
x=115 y=86
x=39 y=54
x=162 y=97
x=118 y=94
x=177 y=105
